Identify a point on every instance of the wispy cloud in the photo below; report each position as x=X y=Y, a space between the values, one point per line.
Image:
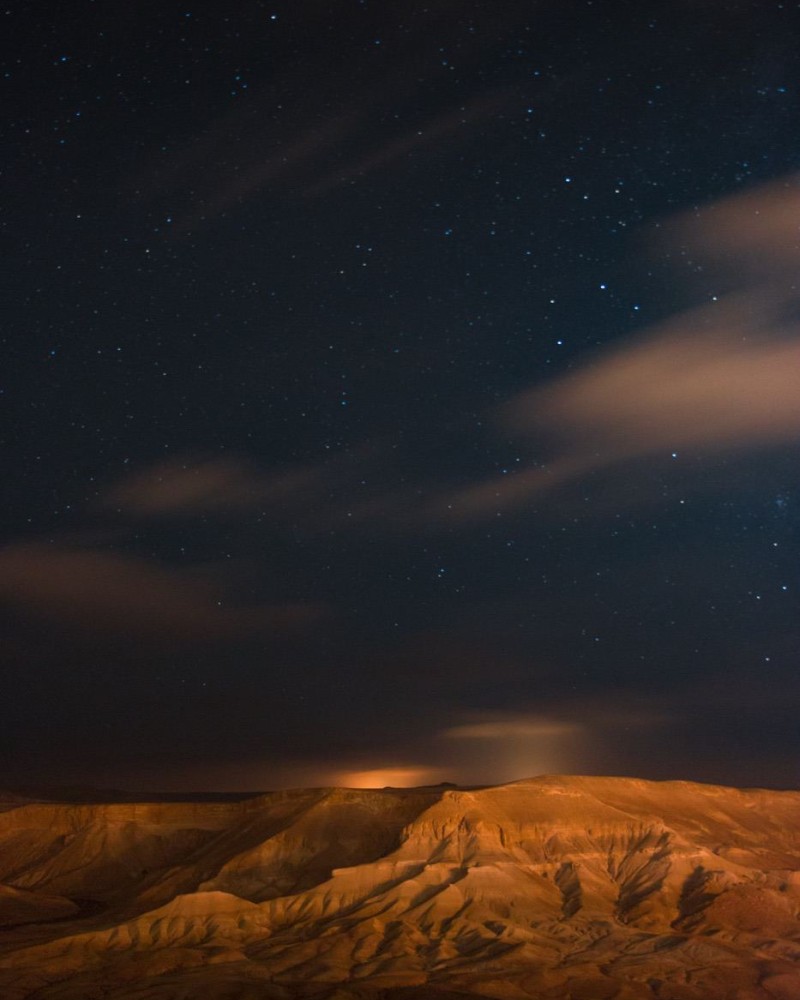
x=757 y=231
x=272 y=143
x=515 y=727
x=716 y=378
x=198 y=486
x=723 y=377
x=511 y=745
x=425 y=135
x=101 y=593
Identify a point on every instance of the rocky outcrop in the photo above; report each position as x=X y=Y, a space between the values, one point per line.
x=548 y=888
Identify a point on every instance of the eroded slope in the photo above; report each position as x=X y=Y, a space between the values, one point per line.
x=552 y=887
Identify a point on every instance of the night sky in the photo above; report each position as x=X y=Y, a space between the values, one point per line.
x=399 y=392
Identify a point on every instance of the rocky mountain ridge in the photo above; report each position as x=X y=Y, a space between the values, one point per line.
x=553 y=887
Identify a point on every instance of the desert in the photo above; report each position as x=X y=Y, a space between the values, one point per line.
x=549 y=888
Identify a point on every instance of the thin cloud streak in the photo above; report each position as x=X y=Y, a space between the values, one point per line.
x=186 y=486
x=78 y=582
x=507 y=746
x=102 y=594
x=724 y=377
x=759 y=229
x=278 y=167
x=708 y=381
x=426 y=136
x=514 y=728
x=269 y=146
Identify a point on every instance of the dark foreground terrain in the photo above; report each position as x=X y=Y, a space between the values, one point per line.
x=555 y=887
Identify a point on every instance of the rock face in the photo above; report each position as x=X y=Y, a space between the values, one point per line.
x=554 y=887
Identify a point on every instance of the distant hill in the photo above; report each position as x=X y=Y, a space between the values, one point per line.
x=88 y=794
x=549 y=888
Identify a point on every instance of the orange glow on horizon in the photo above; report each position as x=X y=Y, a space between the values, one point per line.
x=398 y=777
